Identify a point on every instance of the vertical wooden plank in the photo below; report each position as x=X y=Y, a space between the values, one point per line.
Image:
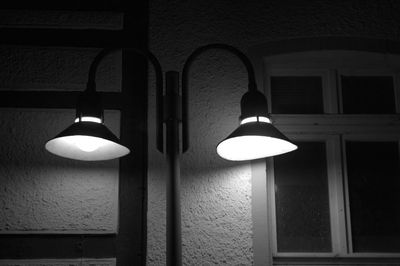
x=131 y=238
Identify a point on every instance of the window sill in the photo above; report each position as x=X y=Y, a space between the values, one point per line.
x=345 y=260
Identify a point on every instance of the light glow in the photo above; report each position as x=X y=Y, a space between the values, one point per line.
x=85 y=143
x=264 y=119
x=253 y=147
x=251 y=119
x=86 y=148
x=88 y=119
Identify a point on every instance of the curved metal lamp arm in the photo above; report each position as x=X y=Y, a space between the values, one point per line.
x=185 y=82
x=91 y=84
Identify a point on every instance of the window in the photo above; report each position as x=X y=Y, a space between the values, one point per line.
x=297 y=95
x=373 y=184
x=367 y=94
x=338 y=194
x=302 y=200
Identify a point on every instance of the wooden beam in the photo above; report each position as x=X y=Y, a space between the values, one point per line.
x=57 y=246
x=132 y=230
x=61 y=37
x=51 y=99
x=87 y=5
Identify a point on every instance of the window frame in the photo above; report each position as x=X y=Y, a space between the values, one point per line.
x=335 y=203
x=333 y=124
x=366 y=138
x=306 y=53
x=340 y=219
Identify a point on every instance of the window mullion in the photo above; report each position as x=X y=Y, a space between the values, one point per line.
x=346 y=196
x=271 y=205
x=339 y=91
x=330 y=92
x=336 y=196
x=396 y=84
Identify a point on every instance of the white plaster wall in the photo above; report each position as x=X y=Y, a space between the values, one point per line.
x=43 y=193
x=216 y=194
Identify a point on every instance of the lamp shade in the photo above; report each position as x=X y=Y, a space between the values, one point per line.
x=87 y=141
x=256 y=137
x=254 y=140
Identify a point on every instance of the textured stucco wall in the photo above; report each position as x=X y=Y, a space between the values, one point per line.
x=39 y=192
x=43 y=193
x=216 y=195
x=56 y=68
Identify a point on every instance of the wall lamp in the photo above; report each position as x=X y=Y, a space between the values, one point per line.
x=89 y=139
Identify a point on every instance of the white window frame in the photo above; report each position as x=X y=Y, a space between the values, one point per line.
x=340 y=218
x=331 y=125
x=332 y=144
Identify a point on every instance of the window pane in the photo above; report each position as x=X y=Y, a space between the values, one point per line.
x=368 y=95
x=374 y=186
x=297 y=95
x=302 y=202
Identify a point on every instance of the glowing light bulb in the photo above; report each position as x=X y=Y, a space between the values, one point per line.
x=253 y=147
x=261 y=119
x=88 y=119
x=86 y=143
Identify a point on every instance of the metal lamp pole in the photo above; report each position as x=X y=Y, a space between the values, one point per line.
x=172 y=121
x=172 y=115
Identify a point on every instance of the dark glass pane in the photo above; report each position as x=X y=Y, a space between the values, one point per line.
x=368 y=95
x=297 y=95
x=374 y=195
x=302 y=201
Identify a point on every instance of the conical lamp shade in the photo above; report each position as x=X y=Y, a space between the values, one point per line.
x=87 y=141
x=253 y=141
